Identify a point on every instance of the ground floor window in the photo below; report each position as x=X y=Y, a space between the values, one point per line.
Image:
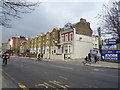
x=65 y=49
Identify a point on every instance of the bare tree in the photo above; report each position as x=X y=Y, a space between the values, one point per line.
x=13 y=8
x=110 y=19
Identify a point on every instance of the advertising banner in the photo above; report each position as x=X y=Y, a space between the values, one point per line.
x=110 y=47
x=111 y=41
x=110 y=56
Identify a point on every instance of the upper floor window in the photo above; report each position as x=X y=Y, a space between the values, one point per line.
x=62 y=38
x=71 y=37
x=66 y=37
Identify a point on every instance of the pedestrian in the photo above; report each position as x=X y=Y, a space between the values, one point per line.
x=89 y=57
x=38 y=56
x=96 y=57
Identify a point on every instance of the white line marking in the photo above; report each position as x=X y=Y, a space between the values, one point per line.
x=96 y=69
x=63 y=77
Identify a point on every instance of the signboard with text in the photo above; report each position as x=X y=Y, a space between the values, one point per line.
x=111 y=51
x=111 y=41
x=110 y=47
x=110 y=56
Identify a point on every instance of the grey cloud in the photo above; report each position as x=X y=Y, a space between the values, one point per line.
x=48 y=16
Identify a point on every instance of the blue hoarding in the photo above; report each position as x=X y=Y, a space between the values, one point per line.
x=110 y=51
x=114 y=56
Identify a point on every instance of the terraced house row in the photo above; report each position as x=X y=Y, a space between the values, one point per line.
x=45 y=43
x=73 y=41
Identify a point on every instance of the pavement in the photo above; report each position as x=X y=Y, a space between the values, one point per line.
x=103 y=64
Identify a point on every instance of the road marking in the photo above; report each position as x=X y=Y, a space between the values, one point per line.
x=42 y=85
x=97 y=69
x=63 y=77
x=22 y=86
x=62 y=67
x=67 y=85
x=49 y=85
x=57 y=83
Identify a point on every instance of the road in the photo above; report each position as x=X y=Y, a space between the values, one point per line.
x=58 y=74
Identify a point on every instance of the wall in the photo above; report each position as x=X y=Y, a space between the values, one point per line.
x=57 y=57
x=83 y=28
x=82 y=46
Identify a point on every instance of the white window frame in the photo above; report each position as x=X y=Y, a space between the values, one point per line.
x=66 y=37
x=62 y=38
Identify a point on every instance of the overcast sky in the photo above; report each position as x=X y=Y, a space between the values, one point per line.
x=53 y=14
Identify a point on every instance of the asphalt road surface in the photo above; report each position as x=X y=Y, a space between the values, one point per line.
x=58 y=74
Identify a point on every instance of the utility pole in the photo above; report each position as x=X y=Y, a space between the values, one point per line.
x=99 y=34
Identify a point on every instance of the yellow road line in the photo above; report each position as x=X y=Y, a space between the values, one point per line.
x=23 y=86
x=67 y=85
x=49 y=85
x=42 y=85
x=56 y=83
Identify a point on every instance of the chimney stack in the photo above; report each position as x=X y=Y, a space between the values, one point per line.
x=83 y=20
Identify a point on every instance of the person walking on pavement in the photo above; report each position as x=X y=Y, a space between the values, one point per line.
x=38 y=56
x=96 y=57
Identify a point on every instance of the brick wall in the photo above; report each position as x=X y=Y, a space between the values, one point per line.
x=83 y=28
